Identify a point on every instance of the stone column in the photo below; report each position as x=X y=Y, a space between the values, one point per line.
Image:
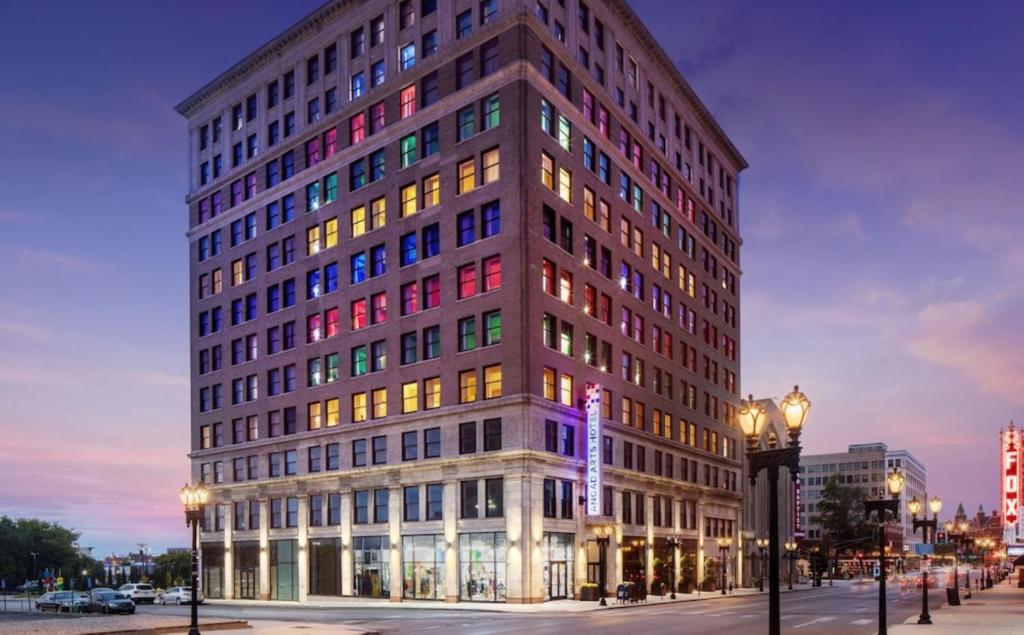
x=700 y=542
x=534 y=554
x=346 y=543
x=303 y=542
x=517 y=533
x=229 y=569
x=614 y=546
x=264 y=588
x=737 y=539
x=395 y=539
x=649 y=539
x=451 y=552
x=677 y=524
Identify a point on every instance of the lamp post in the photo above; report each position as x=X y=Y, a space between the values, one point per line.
x=815 y=562
x=985 y=544
x=962 y=542
x=914 y=506
x=194 y=498
x=675 y=541
x=791 y=553
x=762 y=544
x=752 y=420
x=894 y=483
x=723 y=547
x=603 y=536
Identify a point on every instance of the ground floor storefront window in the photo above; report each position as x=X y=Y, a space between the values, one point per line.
x=558 y=570
x=213 y=570
x=325 y=566
x=370 y=558
x=284 y=570
x=663 y=567
x=688 y=566
x=245 y=572
x=423 y=566
x=482 y=566
x=634 y=560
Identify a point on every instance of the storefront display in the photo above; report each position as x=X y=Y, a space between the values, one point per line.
x=245 y=570
x=558 y=565
x=284 y=570
x=371 y=556
x=634 y=560
x=482 y=566
x=325 y=566
x=213 y=570
x=423 y=566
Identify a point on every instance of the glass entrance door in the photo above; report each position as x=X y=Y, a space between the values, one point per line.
x=558 y=581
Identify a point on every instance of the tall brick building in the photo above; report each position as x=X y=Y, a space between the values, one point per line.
x=426 y=239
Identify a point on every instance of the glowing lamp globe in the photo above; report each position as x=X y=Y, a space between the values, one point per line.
x=795 y=407
x=894 y=482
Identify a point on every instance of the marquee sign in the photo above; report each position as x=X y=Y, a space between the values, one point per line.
x=1010 y=476
x=593 y=485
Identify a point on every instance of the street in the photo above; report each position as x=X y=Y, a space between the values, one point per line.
x=847 y=609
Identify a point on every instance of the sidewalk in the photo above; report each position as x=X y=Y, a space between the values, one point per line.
x=553 y=606
x=995 y=611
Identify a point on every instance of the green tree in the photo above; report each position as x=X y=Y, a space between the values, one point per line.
x=174 y=568
x=841 y=516
x=55 y=548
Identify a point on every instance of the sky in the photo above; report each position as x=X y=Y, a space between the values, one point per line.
x=882 y=219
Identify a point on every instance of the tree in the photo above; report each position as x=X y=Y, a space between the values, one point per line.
x=841 y=516
x=172 y=568
x=55 y=548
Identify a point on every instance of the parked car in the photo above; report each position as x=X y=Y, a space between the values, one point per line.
x=179 y=595
x=140 y=593
x=58 y=601
x=107 y=601
x=32 y=586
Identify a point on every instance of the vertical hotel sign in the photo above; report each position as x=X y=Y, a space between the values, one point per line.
x=593 y=414
x=1011 y=476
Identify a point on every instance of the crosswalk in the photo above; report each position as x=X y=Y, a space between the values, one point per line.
x=807 y=624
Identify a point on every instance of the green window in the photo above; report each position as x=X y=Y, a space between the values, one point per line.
x=331 y=187
x=313 y=196
x=408 y=150
x=492 y=328
x=358 y=361
x=467 y=334
x=492 y=112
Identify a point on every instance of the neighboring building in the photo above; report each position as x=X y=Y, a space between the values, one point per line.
x=755 y=499
x=418 y=232
x=864 y=466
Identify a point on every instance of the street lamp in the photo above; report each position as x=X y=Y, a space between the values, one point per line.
x=194 y=498
x=723 y=546
x=603 y=533
x=894 y=483
x=752 y=420
x=762 y=544
x=675 y=541
x=962 y=542
x=914 y=506
x=791 y=553
x=986 y=545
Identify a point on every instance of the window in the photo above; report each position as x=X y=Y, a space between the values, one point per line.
x=435 y=501
x=410 y=449
x=467 y=386
x=469 y=506
x=547 y=171
x=467 y=176
x=491 y=162
x=492 y=328
x=407 y=56
x=411 y=503
x=492 y=273
x=379 y=446
x=565 y=184
x=410 y=397
x=360 y=507
x=429 y=43
x=467 y=438
x=467 y=334
x=431 y=393
x=549 y=498
x=488 y=58
x=357 y=128
x=407 y=157
x=490 y=223
x=491 y=113
x=431 y=446
x=431 y=191
x=407 y=101
x=430 y=140
x=380 y=403
x=466 y=228
x=463 y=24
x=465 y=124
x=494 y=492
x=377 y=73
x=492 y=381
x=357 y=86
x=464 y=71
x=492 y=435
x=467 y=280
x=406 y=14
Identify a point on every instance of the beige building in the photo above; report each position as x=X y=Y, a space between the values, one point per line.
x=464 y=292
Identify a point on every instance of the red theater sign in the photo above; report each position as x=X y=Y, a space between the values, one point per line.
x=1010 y=475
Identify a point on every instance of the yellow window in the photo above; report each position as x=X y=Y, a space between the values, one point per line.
x=565 y=389
x=431 y=393
x=627 y=411
x=565 y=184
x=380 y=403
x=313 y=415
x=431 y=190
x=588 y=203
x=358 y=221
x=549 y=384
x=332 y=413
x=467 y=176
x=331 y=233
x=312 y=240
x=358 y=407
x=467 y=386
x=410 y=397
x=236 y=273
x=378 y=213
x=408 y=200
x=491 y=166
x=547 y=171
x=218 y=280
x=492 y=381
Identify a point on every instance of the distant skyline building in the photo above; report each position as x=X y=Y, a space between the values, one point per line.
x=464 y=293
x=863 y=466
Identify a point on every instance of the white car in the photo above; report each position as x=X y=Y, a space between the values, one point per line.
x=179 y=595
x=140 y=593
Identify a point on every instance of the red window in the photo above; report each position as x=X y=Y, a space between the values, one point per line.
x=431 y=292
x=376 y=118
x=548 y=274
x=330 y=142
x=590 y=300
x=378 y=308
x=313 y=328
x=313 y=151
x=407 y=99
x=332 y=318
x=410 y=298
x=357 y=128
x=492 y=273
x=467 y=281
x=358 y=315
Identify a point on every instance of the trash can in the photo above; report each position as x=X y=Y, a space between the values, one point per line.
x=953 y=596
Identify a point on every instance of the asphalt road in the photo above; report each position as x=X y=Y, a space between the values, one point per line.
x=850 y=609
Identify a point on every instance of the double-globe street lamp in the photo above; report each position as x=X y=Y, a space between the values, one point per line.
x=914 y=506
x=194 y=498
x=962 y=541
x=723 y=547
x=791 y=554
x=603 y=533
x=674 y=542
x=762 y=544
x=894 y=483
x=753 y=419
x=986 y=545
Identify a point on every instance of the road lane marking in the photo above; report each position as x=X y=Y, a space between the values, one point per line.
x=862 y=609
x=862 y=622
x=817 y=620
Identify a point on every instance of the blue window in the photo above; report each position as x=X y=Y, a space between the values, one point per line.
x=430 y=140
x=204 y=324
x=331 y=277
x=273 y=256
x=588 y=154
x=431 y=241
x=250 y=307
x=288 y=208
x=358 y=86
x=273 y=298
x=273 y=215
x=409 y=254
x=236 y=311
x=466 y=228
x=356 y=176
x=312 y=284
x=236 y=232
x=358 y=267
x=430 y=43
x=204 y=248
x=407 y=54
x=377 y=73
x=377 y=166
x=215 y=243
x=250 y=266
x=215 y=319
x=378 y=261
x=273 y=174
x=288 y=165
x=463 y=24
x=289 y=292
x=490 y=220
x=603 y=169
x=250 y=226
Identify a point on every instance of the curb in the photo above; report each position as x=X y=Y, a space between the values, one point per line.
x=160 y=630
x=704 y=598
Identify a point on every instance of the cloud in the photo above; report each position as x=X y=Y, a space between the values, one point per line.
x=23 y=331
x=979 y=339
x=67 y=261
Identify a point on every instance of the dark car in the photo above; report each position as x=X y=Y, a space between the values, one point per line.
x=109 y=602
x=58 y=601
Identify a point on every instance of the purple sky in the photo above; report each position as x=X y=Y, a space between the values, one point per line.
x=883 y=219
